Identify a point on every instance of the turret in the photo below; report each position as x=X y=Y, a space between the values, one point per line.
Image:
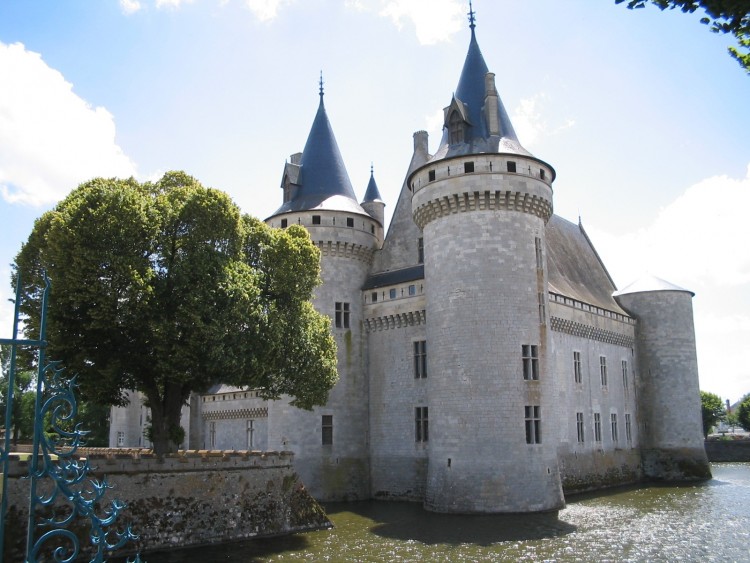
x=667 y=380
x=373 y=204
x=482 y=202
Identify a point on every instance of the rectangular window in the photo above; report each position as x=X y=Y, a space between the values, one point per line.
x=533 y=417
x=530 y=361
x=392 y=294
x=541 y=173
x=342 y=315
x=412 y=290
x=538 y=253
x=468 y=167
x=420 y=250
x=625 y=376
x=579 y=426
x=431 y=176
x=603 y=369
x=542 y=309
x=421 y=424
x=628 y=429
x=120 y=439
x=250 y=434
x=349 y=222
x=613 y=421
x=511 y=166
x=283 y=223
x=327 y=429
x=316 y=219
x=577 y=377
x=420 y=359
x=212 y=435
x=597 y=427
x=374 y=296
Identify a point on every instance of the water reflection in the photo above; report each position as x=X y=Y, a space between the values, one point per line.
x=701 y=522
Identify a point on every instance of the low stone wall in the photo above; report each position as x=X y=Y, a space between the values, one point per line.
x=191 y=498
x=728 y=450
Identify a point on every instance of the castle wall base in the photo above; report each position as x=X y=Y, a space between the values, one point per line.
x=676 y=464
x=591 y=471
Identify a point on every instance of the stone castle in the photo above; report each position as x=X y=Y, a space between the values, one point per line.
x=487 y=362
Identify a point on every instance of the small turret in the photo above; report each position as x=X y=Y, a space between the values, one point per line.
x=373 y=203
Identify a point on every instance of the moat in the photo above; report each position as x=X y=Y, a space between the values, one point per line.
x=702 y=522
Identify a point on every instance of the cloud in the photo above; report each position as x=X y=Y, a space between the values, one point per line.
x=434 y=20
x=130 y=6
x=50 y=139
x=266 y=10
x=697 y=240
x=530 y=125
x=171 y=4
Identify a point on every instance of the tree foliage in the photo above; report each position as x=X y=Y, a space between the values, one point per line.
x=167 y=289
x=712 y=410
x=22 y=417
x=743 y=412
x=723 y=16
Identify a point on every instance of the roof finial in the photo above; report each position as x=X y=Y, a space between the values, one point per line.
x=472 y=25
x=372 y=169
x=321 y=84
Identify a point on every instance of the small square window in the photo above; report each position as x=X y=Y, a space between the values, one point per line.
x=511 y=166
x=412 y=290
x=316 y=219
x=468 y=167
x=392 y=294
x=431 y=176
x=349 y=222
x=374 y=296
x=283 y=223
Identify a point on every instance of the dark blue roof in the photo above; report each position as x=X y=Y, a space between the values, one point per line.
x=403 y=275
x=471 y=91
x=323 y=180
x=372 y=193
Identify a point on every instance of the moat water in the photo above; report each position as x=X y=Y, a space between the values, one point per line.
x=702 y=522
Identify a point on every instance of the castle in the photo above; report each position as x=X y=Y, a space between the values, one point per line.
x=487 y=362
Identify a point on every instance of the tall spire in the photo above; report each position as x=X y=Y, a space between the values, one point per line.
x=472 y=25
x=372 y=193
x=321 y=85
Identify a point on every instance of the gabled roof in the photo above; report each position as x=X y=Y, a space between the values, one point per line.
x=323 y=182
x=471 y=93
x=372 y=193
x=574 y=268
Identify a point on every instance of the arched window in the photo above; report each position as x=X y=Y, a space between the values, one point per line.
x=456 y=128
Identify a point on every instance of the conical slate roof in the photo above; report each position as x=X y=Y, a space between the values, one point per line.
x=372 y=193
x=648 y=283
x=323 y=180
x=471 y=92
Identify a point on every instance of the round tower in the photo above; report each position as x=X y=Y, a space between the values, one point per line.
x=331 y=442
x=482 y=202
x=669 y=405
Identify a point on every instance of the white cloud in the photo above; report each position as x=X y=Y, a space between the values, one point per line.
x=434 y=124
x=433 y=20
x=266 y=10
x=130 y=6
x=50 y=139
x=171 y=4
x=530 y=125
x=696 y=240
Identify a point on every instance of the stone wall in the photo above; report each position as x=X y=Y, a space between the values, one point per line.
x=193 y=498
x=728 y=450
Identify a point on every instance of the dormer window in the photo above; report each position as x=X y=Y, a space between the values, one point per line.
x=456 y=128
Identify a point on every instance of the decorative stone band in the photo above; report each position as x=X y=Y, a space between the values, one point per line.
x=400 y=320
x=591 y=332
x=259 y=412
x=345 y=250
x=486 y=200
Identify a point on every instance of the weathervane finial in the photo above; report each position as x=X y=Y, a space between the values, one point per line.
x=321 y=84
x=472 y=25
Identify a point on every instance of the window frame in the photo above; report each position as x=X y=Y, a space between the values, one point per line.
x=533 y=423
x=530 y=362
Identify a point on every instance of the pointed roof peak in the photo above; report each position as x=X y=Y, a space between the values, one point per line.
x=372 y=193
x=472 y=20
x=321 y=86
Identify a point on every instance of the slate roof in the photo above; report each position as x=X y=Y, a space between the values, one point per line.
x=395 y=276
x=372 y=193
x=323 y=180
x=650 y=283
x=471 y=91
x=574 y=268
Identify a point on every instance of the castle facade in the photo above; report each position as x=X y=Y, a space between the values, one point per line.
x=487 y=362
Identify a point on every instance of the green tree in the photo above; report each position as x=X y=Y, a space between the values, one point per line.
x=732 y=420
x=743 y=412
x=724 y=16
x=712 y=409
x=22 y=418
x=166 y=288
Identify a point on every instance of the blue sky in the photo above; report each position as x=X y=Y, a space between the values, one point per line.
x=642 y=113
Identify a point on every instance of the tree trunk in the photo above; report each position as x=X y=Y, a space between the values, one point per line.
x=166 y=432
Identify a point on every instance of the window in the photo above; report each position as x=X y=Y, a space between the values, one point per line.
x=420 y=250
x=250 y=434
x=120 y=439
x=625 y=376
x=342 y=315
x=412 y=290
x=431 y=176
x=597 y=427
x=541 y=173
x=613 y=421
x=421 y=424
x=530 y=360
x=577 y=377
x=212 y=435
x=511 y=166
x=579 y=426
x=420 y=359
x=533 y=424
x=628 y=429
x=374 y=296
x=456 y=128
x=538 y=253
x=603 y=369
x=392 y=294
x=283 y=223
x=327 y=429
x=349 y=222
x=316 y=219
x=542 y=308
x=468 y=167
